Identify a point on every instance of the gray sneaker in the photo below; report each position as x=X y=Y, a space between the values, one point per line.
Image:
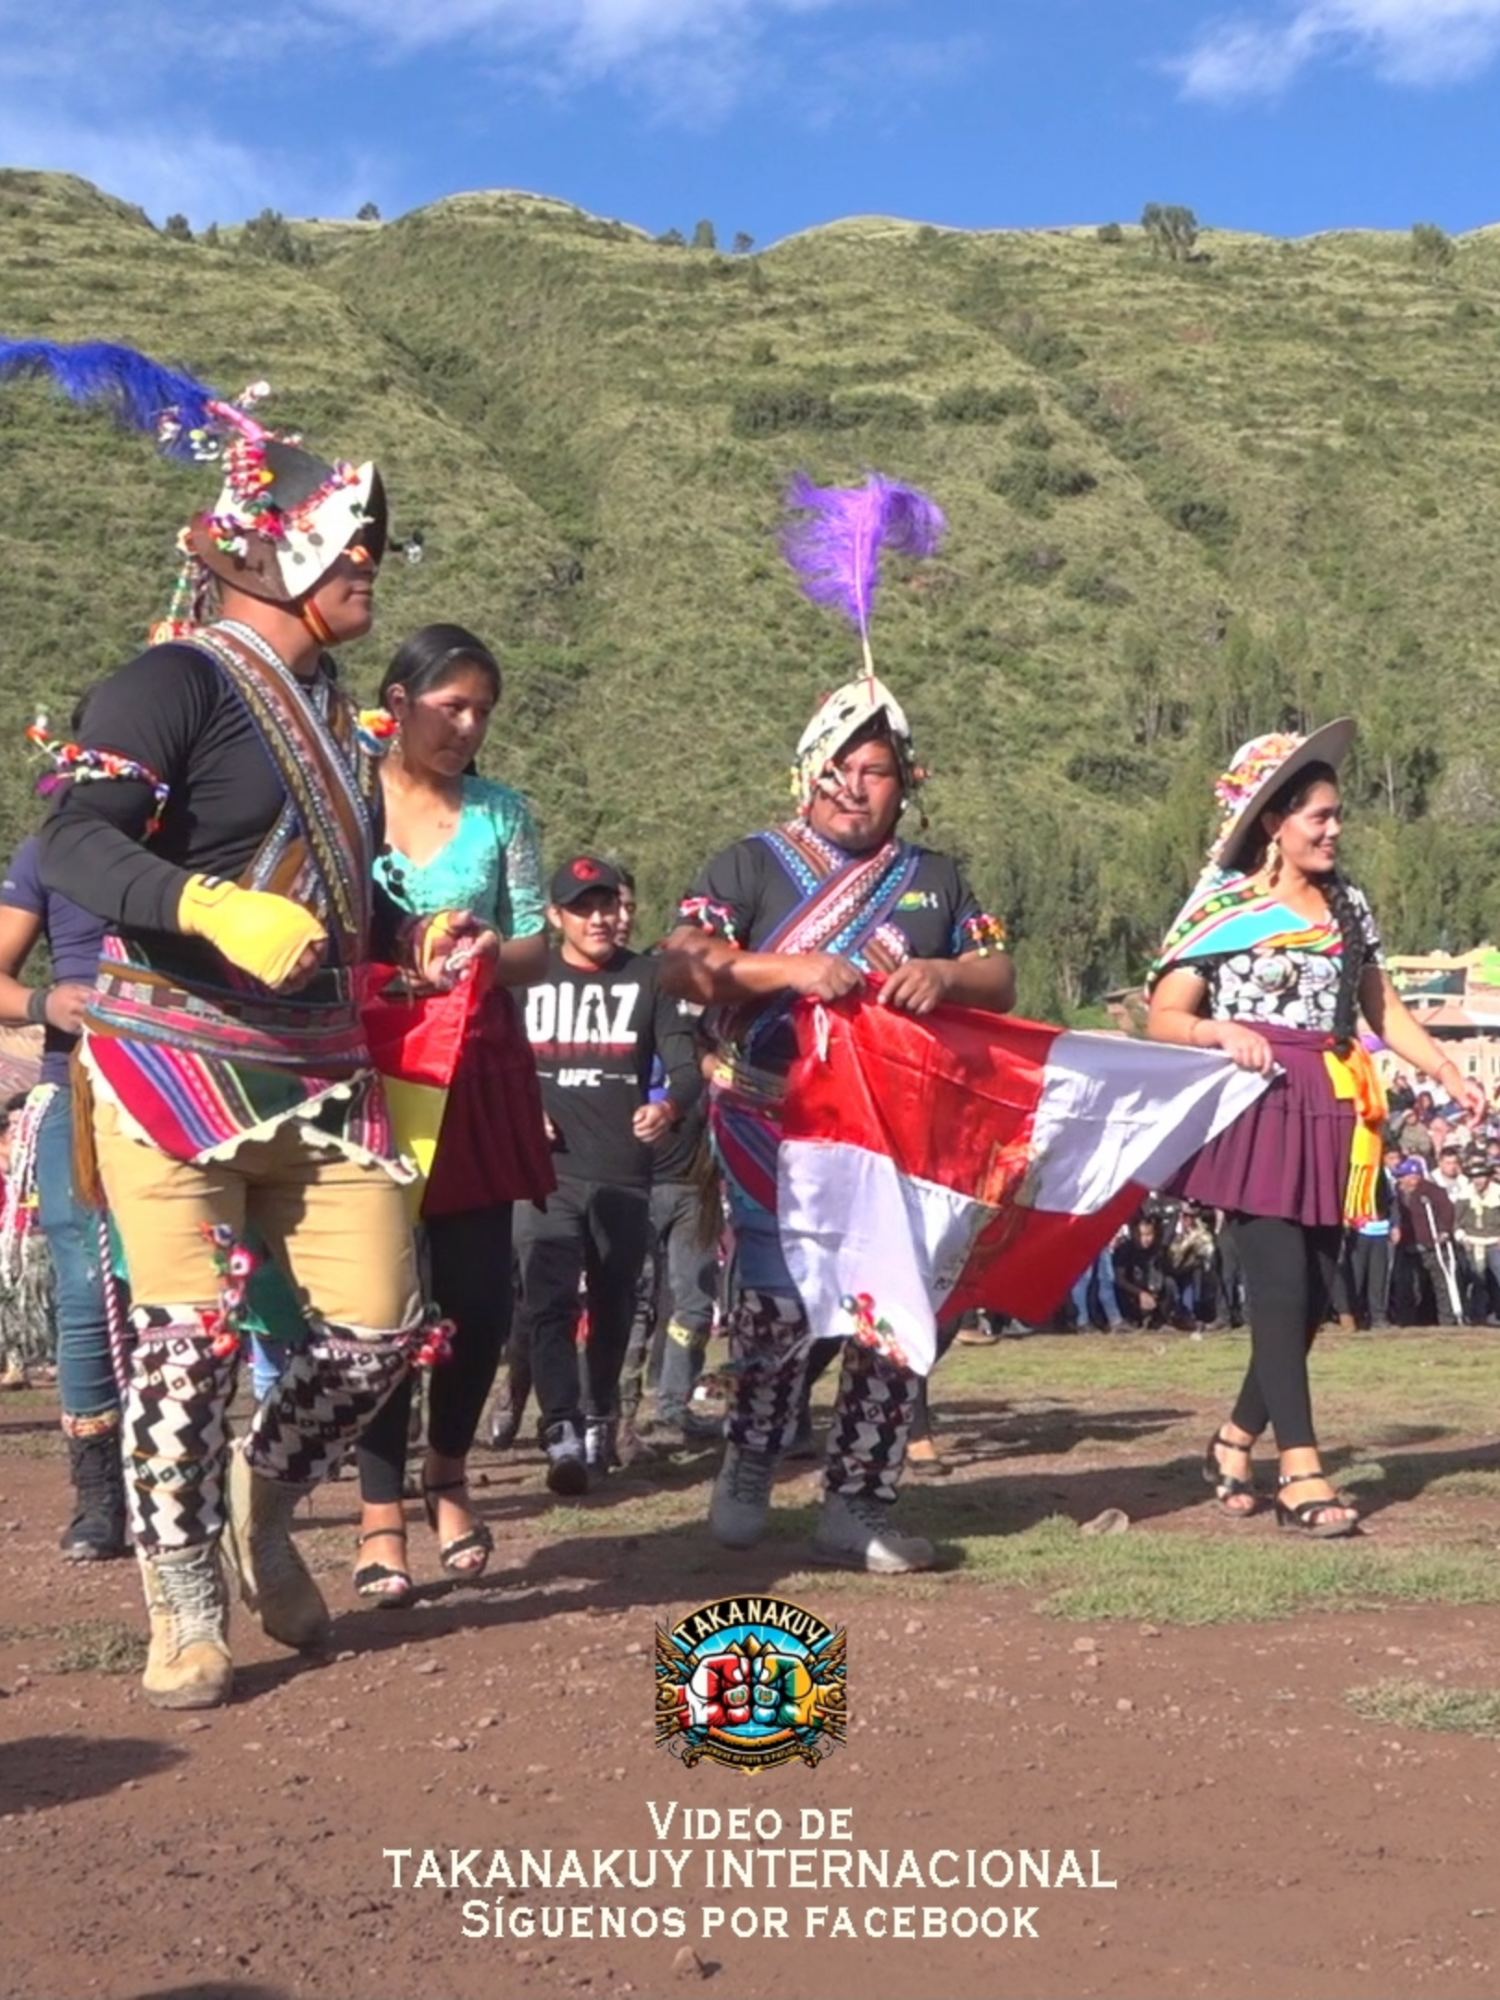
x=855 y=1532
x=741 y=1503
x=567 y=1468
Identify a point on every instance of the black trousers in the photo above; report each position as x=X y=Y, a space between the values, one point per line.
x=471 y=1282
x=598 y=1234
x=1289 y=1277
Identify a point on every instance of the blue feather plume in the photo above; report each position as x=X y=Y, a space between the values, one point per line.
x=835 y=548
x=139 y=390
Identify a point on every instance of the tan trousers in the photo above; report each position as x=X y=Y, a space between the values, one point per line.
x=339 y=1230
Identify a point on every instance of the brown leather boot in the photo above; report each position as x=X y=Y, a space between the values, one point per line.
x=274 y=1581
x=188 y=1665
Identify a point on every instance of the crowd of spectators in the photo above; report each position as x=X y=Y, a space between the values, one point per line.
x=1430 y=1255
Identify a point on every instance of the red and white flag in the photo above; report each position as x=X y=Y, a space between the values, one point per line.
x=966 y=1159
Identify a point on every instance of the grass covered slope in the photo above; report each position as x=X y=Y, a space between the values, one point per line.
x=1187 y=503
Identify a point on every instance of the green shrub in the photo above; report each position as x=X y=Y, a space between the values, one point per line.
x=1095 y=586
x=761 y=412
x=1028 y=336
x=1037 y=564
x=1114 y=774
x=1432 y=248
x=975 y=404
x=1034 y=436
x=1031 y=481
x=873 y=406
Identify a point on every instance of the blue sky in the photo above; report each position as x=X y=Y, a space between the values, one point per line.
x=768 y=116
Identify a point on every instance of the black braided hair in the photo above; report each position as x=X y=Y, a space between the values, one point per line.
x=1345 y=913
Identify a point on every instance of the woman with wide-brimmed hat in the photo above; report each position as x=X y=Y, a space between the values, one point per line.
x=1273 y=959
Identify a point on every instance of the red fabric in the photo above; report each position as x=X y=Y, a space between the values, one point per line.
x=493 y=1144
x=416 y=1038
x=951 y=1097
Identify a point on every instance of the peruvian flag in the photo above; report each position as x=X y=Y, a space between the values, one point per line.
x=963 y=1159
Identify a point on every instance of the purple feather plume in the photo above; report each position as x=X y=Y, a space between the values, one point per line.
x=835 y=548
x=139 y=390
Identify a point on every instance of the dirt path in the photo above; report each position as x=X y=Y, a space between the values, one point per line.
x=1261 y=1836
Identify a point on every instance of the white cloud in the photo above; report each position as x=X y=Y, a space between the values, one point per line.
x=171 y=103
x=1413 y=42
x=591 y=38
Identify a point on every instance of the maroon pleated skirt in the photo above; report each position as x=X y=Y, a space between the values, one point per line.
x=1288 y=1155
x=493 y=1144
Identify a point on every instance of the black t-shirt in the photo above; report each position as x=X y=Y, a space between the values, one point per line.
x=745 y=895
x=594 y=1033
x=174 y=712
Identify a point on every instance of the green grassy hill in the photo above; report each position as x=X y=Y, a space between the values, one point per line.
x=1187 y=503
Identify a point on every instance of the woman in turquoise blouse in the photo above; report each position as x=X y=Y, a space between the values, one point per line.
x=459 y=841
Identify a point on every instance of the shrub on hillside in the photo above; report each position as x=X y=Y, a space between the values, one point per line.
x=1028 y=336
x=975 y=404
x=270 y=236
x=1031 y=481
x=761 y=412
x=1432 y=248
x=873 y=406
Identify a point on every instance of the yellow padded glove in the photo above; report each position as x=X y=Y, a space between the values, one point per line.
x=262 y=934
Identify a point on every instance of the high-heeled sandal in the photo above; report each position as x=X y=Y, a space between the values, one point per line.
x=379 y=1582
x=1303 y=1519
x=1226 y=1488
x=457 y=1556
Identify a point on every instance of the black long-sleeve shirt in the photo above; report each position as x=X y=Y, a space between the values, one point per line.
x=594 y=1033
x=172 y=711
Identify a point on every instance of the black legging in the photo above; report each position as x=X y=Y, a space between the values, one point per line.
x=473 y=1286
x=1289 y=1274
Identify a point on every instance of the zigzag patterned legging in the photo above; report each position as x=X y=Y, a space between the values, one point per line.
x=176 y=1439
x=769 y=1338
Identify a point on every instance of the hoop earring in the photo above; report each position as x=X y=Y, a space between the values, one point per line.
x=1273 y=860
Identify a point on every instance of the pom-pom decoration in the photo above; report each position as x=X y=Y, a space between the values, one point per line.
x=72 y=764
x=376 y=729
x=236 y=1266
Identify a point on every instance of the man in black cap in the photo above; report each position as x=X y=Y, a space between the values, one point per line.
x=596 y=1021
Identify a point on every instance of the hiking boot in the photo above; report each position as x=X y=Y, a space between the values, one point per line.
x=273 y=1579
x=97 y=1529
x=741 y=1503
x=601 y=1451
x=188 y=1664
x=567 y=1465
x=855 y=1532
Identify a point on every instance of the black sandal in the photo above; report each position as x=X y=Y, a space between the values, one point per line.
x=379 y=1582
x=1225 y=1488
x=475 y=1541
x=1304 y=1518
